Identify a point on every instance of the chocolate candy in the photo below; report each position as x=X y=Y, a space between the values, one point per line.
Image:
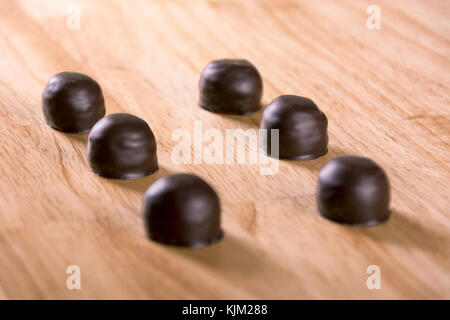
x=302 y=128
x=230 y=86
x=353 y=190
x=182 y=210
x=122 y=146
x=72 y=102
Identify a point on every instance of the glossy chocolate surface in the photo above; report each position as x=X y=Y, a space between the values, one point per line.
x=302 y=128
x=122 y=146
x=182 y=210
x=353 y=190
x=72 y=102
x=231 y=86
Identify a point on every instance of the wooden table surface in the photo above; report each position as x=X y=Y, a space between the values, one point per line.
x=386 y=95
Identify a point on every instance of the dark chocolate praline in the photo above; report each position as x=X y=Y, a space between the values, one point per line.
x=353 y=190
x=122 y=146
x=72 y=102
x=182 y=210
x=231 y=86
x=302 y=128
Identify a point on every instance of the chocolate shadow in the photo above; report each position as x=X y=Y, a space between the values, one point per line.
x=400 y=229
x=142 y=184
x=232 y=255
x=315 y=165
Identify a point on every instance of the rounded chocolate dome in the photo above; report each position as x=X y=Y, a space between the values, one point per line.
x=353 y=190
x=302 y=128
x=182 y=210
x=122 y=146
x=230 y=86
x=72 y=102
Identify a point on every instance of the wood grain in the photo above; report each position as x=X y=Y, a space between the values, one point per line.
x=386 y=95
